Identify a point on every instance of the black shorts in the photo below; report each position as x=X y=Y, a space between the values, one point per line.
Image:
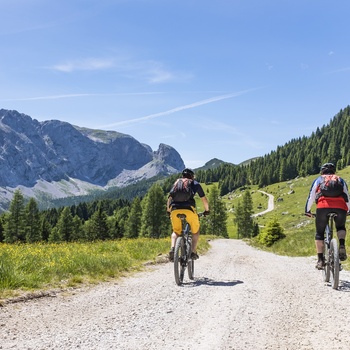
x=322 y=220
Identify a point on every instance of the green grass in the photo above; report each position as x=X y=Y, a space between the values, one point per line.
x=30 y=267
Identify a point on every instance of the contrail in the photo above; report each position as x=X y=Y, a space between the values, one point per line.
x=177 y=109
x=56 y=97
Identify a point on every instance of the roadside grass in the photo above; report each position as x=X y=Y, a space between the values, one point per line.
x=43 y=266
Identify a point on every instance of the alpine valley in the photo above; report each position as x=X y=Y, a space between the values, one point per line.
x=54 y=159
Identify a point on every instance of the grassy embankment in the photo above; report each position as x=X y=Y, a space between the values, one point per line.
x=30 y=267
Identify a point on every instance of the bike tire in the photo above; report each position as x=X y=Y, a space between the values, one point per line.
x=190 y=269
x=327 y=269
x=334 y=254
x=179 y=268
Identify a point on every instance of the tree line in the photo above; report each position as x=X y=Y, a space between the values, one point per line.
x=101 y=220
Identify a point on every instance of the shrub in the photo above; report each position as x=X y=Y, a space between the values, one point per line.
x=272 y=233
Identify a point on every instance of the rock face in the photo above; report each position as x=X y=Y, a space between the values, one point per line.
x=52 y=151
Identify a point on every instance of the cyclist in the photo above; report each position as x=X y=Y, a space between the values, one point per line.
x=325 y=205
x=187 y=207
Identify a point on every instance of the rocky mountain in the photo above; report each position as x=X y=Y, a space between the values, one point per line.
x=54 y=158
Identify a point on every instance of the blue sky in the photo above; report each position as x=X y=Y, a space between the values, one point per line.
x=227 y=79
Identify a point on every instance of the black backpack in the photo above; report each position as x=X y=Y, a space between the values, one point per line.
x=182 y=190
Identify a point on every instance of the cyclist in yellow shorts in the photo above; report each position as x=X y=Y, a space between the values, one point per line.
x=177 y=205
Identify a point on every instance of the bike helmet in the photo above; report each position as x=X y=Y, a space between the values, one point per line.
x=188 y=173
x=328 y=168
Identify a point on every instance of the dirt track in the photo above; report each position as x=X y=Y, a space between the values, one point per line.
x=242 y=298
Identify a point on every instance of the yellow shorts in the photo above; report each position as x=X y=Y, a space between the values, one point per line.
x=191 y=217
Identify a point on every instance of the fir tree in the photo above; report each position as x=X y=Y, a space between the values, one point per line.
x=154 y=222
x=216 y=221
x=32 y=216
x=99 y=225
x=15 y=222
x=65 y=225
x=133 y=223
x=243 y=216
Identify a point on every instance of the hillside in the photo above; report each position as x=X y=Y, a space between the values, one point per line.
x=302 y=156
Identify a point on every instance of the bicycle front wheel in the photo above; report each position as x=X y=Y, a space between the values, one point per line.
x=179 y=260
x=334 y=263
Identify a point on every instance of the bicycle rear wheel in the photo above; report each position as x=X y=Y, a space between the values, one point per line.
x=334 y=263
x=179 y=261
x=327 y=269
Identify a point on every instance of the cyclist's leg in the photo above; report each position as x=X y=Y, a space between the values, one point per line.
x=321 y=223
x=193 y=220
x=340 y=221
x=177 y=228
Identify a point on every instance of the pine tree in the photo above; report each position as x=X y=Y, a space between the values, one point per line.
x=78 y=233
x=33 y=223
x=64 y=225
x=45 y=228
x=133 y=223
x=99 y=225
x=15 y=221
x=216 y=221
x=243 y=216
x=239 y=219
x=154 y=221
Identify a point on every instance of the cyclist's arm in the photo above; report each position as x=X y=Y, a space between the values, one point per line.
x=168 y=204
x=205 y=203
x=201 y=194
x=312 y=196
x=346 y=191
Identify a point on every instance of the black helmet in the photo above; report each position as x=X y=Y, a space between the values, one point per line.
x=328 y=168
x=188 y=173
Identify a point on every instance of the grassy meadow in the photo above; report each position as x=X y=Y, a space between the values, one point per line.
x=30 y=267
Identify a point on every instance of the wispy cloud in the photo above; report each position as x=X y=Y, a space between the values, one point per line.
x=177 y=109
x=154 y=72
x=341 y=70
x=86 y=64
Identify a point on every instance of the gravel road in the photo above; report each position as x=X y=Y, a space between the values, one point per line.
x=241 y=298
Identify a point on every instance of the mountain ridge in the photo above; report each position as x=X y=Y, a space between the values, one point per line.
x=58 y=159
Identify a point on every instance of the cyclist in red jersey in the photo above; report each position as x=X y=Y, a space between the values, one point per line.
x=325 y=205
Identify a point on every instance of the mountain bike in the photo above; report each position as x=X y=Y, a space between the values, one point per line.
x=331 y=254
x=182 y=252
